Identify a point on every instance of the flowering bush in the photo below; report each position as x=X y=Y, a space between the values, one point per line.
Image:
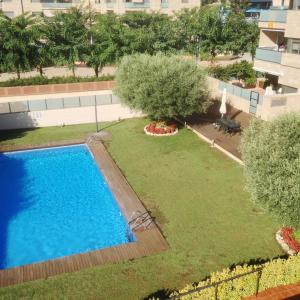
x=287 y=234
x=160 y=128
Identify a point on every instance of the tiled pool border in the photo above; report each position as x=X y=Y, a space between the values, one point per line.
x=149 y=241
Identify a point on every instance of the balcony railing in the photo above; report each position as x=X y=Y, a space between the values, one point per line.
x=164 y=4
x=56 y=3
x=276 y=15
x=144 y=4
x=268 y=54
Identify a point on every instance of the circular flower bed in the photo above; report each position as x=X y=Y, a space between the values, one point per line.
x=285 y=237
x=160 y=129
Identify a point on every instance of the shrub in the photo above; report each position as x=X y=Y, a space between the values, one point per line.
x=271 y=153
x=274 y=273
x=163 y=87
x=41 y=80
x=242 y=70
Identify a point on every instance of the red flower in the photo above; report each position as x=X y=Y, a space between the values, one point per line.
x=288 y=237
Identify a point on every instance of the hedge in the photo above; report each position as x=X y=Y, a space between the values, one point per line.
x=276 y=272
x=41 y=80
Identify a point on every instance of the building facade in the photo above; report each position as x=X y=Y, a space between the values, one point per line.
x=13 y=8
x=278 y=54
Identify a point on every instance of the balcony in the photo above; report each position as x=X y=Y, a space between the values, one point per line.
x=268 y=54
x=273 y=15
x=164 y=4
x=56 y=3
x=143 y=4
x=110 y=4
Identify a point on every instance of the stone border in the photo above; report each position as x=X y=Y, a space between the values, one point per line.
x=215 y=145
x=160 y=134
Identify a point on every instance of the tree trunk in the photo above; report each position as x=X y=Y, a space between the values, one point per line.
x=40 y=67
x=73 y=71
x=18 y=74
x=96 y=69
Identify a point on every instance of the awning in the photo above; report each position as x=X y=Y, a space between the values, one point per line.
x=267 y=71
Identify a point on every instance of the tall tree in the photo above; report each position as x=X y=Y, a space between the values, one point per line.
x=67 y=33
x=149 y=33
x=162 y=86
x=43 y=56
x=240 y=35
x=104 y=43
x=17 y=43
x=271 y=153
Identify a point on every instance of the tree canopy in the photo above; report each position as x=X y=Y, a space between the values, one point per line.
x=163 y=87
x=271 y=153
x=17 y=43
x=79 y=35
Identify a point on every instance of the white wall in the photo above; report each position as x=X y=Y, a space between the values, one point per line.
x=274 y=106
x=65 y=116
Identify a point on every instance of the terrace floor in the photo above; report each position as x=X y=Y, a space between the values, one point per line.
x=203 y=123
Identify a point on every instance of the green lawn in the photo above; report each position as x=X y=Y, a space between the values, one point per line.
x=196 y=195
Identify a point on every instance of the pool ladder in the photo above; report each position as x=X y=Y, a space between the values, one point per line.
x=139 y=219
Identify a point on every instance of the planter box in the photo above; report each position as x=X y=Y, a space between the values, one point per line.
x=56 y=88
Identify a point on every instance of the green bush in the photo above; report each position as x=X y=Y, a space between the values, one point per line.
x=274 y=273
x=162 y=87
x=41 y=80
x=271 y=153
x=242 y=70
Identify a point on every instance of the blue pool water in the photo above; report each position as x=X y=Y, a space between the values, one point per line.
x=53 y=203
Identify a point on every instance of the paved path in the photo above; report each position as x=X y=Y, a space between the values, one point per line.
x=60 y=71
x=203 y=123
x=283 y=292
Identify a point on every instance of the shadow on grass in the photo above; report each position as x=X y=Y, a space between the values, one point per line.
x=6 y=135
x=22 y=119
x=160 y=294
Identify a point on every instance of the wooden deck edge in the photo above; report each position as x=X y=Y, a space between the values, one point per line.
x=215 y=145
x=148 y=241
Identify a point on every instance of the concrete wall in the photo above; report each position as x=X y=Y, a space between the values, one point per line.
x=277 y=105
x=293 y=24
x=268 y=67
x=288 y=71
x=268 y=108
x=235 y=101
x=66 y=116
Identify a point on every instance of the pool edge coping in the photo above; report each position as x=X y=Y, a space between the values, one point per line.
x=149 y=241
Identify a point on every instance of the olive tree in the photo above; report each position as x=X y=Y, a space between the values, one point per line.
x=163 y=87
x=271 y=153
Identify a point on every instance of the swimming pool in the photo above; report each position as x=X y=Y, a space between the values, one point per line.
x=53 y=203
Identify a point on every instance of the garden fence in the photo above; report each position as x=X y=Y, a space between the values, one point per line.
x=215 y=285
x=57 y=103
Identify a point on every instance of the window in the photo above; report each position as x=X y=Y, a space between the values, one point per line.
x=9 y=14
x=296 y=47
x=184 y=1
x=293 y=46
x=37 y=14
